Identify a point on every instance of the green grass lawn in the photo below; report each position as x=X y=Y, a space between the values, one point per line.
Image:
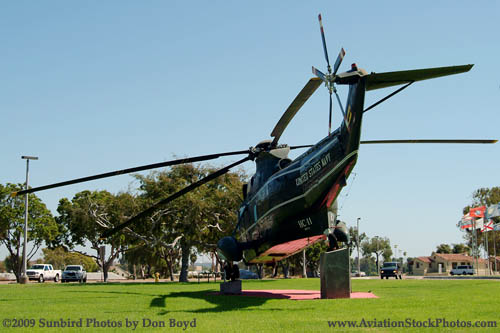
x=115 y=304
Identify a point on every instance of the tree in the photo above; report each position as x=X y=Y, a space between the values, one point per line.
x=461 y=248
x=60 y=257
x=380 y=246
x=484 y=197
x=197 y=219
x=444 y=248
x=88 y=215
x=295 y=263
x=41 y=225
x=161 y=258
x=313 y=254
x=353 y=231
x=11 y=263
x=368 y=265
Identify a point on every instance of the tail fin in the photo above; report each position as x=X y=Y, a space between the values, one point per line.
x=384 y=80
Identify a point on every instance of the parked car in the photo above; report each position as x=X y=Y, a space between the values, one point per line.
x=391 y=269
x=462 y=270
x=246 y=274
x=74 y=273
x=355 y=273
x=43 y=272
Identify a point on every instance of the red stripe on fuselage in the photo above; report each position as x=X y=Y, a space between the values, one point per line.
x=335 y=189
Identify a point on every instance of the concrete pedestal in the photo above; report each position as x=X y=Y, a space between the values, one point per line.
x=231 y=287
x=23 y=280
x=335 y=274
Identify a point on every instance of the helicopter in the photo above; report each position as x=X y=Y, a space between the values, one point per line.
x=287 y=200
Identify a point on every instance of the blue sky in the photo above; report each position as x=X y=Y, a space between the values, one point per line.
x=93 y=86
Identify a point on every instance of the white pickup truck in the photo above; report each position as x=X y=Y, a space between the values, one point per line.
x=462 y=270
x=43 y=272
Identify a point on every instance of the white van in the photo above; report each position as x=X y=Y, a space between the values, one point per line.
x=463 y=270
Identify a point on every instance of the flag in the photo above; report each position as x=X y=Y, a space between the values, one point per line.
x=466 y=226
x=487 y=226
x=469 y=225
x=493 y=210
x=477 y=211
x=465 y=222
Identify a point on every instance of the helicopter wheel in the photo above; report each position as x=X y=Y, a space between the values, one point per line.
x=333 y=244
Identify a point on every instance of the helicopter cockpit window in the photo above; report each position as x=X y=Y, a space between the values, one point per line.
x=245 y=190
x=250 y=184
x=242 y=210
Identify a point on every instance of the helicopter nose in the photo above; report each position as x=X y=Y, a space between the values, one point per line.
x=228 y=249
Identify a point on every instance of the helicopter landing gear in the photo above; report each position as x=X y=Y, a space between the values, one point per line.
x=339 y=234
x=333 y=244
x=232 y=271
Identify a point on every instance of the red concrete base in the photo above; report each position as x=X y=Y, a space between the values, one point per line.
x=296 y=294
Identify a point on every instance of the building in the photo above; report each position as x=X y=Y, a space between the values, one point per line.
x=443 y=263
x=493 y=261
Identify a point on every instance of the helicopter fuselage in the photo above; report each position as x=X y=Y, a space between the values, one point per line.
x=294 y=202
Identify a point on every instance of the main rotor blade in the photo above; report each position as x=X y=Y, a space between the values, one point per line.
x=338 y=61
x=410 y=141
x=426 y=141
x=297 y=103
x=174 y=196
x=319 y=74
x=299 y=147
x=130 y=170
x=324 y=43
x=342 y=109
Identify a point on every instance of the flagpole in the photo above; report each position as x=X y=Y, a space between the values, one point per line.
x=474 y=244
x=494 y=211
x=495 y=248
x=473 y=240
x=485 y=227
x=477 y=253
x=487 y=253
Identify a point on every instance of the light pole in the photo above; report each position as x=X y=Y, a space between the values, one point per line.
x=24 y=278
x=357 y=242
x=404 y=260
